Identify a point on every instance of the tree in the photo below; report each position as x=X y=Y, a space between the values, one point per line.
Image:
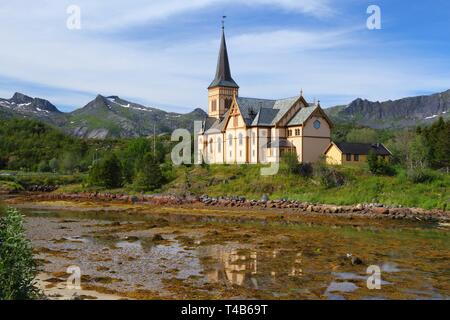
x=17 y=267
x=378 y=165
x=418 y=152
x=149 y=176
x=107 y=173
x=54 y=165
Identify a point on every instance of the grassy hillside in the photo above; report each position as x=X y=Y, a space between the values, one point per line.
x=360 y=186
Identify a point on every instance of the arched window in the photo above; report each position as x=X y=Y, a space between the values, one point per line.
x=254 y=138
x=213 y=105
x=228 y=103
x=219 y=145
x=241 y=138
x=211 y=145
x=230 y=140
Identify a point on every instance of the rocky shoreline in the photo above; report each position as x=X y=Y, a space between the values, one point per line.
x=371 y=210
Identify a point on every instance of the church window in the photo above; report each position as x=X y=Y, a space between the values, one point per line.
x=211 y=145
x=241 y=138
x=230 y=140
x=219 y=145
x=254 y=138
x=317 y=124
x=214 y=106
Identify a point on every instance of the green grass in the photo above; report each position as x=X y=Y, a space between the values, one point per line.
x=360 y=187
x=25 y=179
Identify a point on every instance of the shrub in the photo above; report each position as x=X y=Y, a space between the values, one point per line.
x=150 y=176
x=379 y=166
x=421 y=175
x=293 y=166
x=17 y=267
x=328 y=177
x=106 y=173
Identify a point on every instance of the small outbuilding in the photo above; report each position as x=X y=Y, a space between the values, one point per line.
x=353 y=153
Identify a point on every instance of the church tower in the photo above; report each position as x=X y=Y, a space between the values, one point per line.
x=223 y=87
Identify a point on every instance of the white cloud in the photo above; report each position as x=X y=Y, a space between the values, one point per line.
x=37 y=48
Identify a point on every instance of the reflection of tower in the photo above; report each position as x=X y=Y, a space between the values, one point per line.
x=233 y=266
x=296 y=268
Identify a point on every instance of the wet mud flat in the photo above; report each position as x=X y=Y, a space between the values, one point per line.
x=123 y=255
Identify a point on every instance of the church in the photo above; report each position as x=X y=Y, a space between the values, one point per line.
x=250 y=130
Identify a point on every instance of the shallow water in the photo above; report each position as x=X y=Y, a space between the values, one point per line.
x=120 y=253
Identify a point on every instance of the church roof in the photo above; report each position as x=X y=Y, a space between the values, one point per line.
x=302 y=115
x=263 y=112
x=223 y=73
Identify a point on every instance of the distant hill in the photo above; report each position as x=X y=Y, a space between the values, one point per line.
x=394 y=114
x=23 y=106
x=102 y=117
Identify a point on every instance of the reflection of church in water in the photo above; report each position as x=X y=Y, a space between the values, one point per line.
x=240 y=267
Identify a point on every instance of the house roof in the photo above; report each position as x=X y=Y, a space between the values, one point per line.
x=363 y=148
x=223 y=72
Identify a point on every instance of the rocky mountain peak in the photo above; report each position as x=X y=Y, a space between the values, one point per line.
x=20 y=98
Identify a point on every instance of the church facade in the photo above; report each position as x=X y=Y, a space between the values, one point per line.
x=250 y=130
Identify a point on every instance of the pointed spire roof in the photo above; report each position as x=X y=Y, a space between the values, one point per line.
x=223 y=73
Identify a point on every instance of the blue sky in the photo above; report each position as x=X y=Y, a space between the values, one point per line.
x=163 y=53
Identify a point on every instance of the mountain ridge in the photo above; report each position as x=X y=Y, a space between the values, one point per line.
x=104 y=116
x=400 y=113
x=112 y=116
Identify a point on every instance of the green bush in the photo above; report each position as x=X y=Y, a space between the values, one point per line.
x=421 y=175
x=378 y=166
x=17 y=267
x=106 y=173
x=329 y=177
x=291 y=165
x=150 y=176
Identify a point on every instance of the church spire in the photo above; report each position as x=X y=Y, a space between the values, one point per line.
x=223 y=73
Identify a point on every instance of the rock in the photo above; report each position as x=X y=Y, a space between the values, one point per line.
x=131 y=238
x=359 y=207
x=380 y=210
x=356 y=261
x=157 y=237
x=134 y=199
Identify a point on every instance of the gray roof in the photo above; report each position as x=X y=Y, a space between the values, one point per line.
x=363 y=148
x=280 y=143
x=302 y=115
x=223 y=73
x=261 y=112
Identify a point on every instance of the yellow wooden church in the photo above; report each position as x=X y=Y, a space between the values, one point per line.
x=251 y=130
